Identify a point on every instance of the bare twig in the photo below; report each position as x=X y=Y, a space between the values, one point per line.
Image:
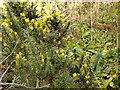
x=93 y=74
x=23 y=86
x=5 y=72
x=10 y=53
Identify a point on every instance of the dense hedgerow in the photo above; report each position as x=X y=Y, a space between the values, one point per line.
x=47 y=49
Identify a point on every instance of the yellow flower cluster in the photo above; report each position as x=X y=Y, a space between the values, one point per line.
x=24 y=59
x=74 y=75
x=59 y=42
x=15 y=33
x=4 y=24
x=27 y=20
x=44 y=30
x=36 y=24
x=85 y=64
x=62 y=53
x=33 y=20
x=16 y=62
x=22 y=14
x=42 y=59
x=87 y=77
x=31 y=27
x=4 y=44
x=17 y=56
x=87 y=82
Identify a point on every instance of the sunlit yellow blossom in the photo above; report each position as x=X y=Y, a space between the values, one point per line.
x=32 y=20
x=87 y=82
x=78 y=59
x=87 y=77
x=85 y=65
x=62 y=54
x=82 y=72
x=22 y=0
x=17 y=56
x=0 y=39
x=62 y=51
x=15 y=33
x=5 y=4
x=48 y=30
x=59 y=42
x=17 y=63
x=74 y=75
x=4 y=44
x=28 y=3
x=34 y=3
x=15 y=17
x=27 y=20
x=44 y=37
x=41 y=25
x=4 y=24
x=24 y=59
x=31 y=27
x=114 y=76
x=6 y=20
x=37 y=12
x=10 y=23
x=44 y=19
x=64 y=38
x=36 y=24
x=42 y=59
x=54 y=40
x=56 y=13
x=22 y=14
x=57 y=51
x=44 y=30
x=42 y=12
x=62 y=19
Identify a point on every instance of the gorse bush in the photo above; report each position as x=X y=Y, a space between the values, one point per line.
x=45 y=49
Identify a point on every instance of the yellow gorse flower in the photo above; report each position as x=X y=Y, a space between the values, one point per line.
x=16 y=62
x=32 y=20
x=59 y=42
x=87 y=77
x=27 y=20
x=22 y=14
x=36 y=24
x=56 y=13
x=31 y=27
x=62 y=54
x=62 y=51
x=35 y=3
x=10 y=23
x=4 y=24
x=42 y=59
x=48 y=30
x=87 y=82
x=24 y=59
x=74 y=75
x=4 y=44
x=44 y=30
x=37 y=12
x=15 y=33
x=85 y=64
x=17 y=56
x=0 y=39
